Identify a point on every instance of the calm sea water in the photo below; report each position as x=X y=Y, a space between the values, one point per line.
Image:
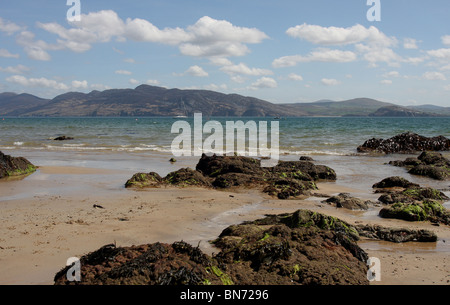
x=298 y=136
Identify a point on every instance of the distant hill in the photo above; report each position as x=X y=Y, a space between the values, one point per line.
x=432 y=109
x=397 y=111
x=12 y=104
x=353 y=107
x=148 y=100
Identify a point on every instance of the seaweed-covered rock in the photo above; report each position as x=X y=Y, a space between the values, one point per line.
x=14 y=166
x=144 y=180
x=430 y=164
x=187 y=177
x=346 y=201
x=287 y=179
x=397 y=235
x=405 y=143
x=394 y=182
x=428 y=210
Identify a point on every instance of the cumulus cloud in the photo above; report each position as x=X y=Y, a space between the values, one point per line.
x=321 y=55
x=9 y=27
x=208 y=37
x=434 y=76
x=317 y=34
x=5 y=53
x=79 y=84
x=196 y=71
x=243 y=69
x=440 y=53
x=386 y=82
x=123 y=72
x=37 y=82
x=410 y=43
x=264 y=82
x=446 y=40
x=295 y=77
x=19 y=69
x=330 y=82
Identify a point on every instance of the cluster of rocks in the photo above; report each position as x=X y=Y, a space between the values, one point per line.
x=14 y=166
x=299 y=248
x=411 y=202
x=430 y=164
x=285 y=180
x=405 y=143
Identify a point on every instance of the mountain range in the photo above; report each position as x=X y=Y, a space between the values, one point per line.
x=148 y=100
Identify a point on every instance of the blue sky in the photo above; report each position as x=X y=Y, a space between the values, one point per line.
x=280 y=51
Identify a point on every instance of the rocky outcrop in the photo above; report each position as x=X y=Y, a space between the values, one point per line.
x=405 y=143
x=63 y=138
x=346 y=201
x=285 y=180
x=412 y=202
x=430 y=164
x=299 y=248
x=14 y=166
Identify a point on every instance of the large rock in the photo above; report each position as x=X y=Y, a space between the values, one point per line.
x=405 y=143
x=412 y=202
x=346 y=201
x=430 y=164
x=285 y=180
x=14 y=166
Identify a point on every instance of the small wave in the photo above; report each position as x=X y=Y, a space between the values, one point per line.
x=18 y=143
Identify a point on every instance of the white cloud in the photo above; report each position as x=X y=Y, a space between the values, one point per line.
x=152 y=82
x=238 y=79
x=208 y=37
x=317 y=34
x=215 y=87
x=391 y=74
x=295 y=77
x=133 y=81
x=9 y=27
x=79 y=84
x=446 y=39
x=100 y=87
x=264 y=82
x=37 y=82
x=7 y=54
x=220 y=61
x=196 y=71
x=123 y=72
x=410 y=43
x=320 y=55
x=440 y=53
x=129 y=60
x=434 y=76
x=330 y=82
x=19 y=69
x=243 y=69
x=386 y=82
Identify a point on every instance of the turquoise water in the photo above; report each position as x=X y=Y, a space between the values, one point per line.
x=298 y=136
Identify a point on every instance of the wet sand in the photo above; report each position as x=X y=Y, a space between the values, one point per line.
x=61 y=212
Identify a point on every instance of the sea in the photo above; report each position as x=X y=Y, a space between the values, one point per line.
x=143 y=144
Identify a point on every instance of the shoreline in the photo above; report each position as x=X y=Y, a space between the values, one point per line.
x=40 y=232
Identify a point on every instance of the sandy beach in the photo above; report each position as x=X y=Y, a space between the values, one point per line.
x=40 y=232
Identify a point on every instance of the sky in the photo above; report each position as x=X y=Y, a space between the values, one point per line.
x=281 y=51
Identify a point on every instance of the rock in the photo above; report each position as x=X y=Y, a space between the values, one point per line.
x=428 y=210
x=187 y=177
x=172 y=160
x=396 y=235
x=63 y=138
x=279 y=253
x=430 y=164
x=405 y=143
x=394 y=182
x=15 y=166
x=144 y=180
x=287 y=179
x=346 y=201
x=306 y=158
